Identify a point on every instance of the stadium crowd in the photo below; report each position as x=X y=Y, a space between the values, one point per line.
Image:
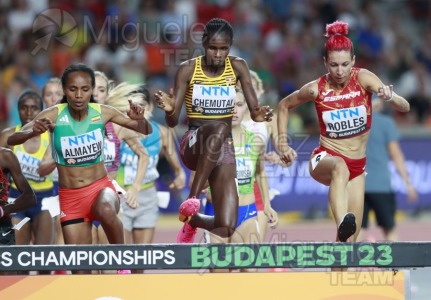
x=145 y=41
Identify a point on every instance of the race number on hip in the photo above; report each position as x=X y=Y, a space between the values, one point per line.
x=316 y=159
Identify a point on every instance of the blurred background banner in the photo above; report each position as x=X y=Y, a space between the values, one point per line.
x=301 y=193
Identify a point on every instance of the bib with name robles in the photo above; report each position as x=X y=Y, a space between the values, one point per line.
x=78 y=144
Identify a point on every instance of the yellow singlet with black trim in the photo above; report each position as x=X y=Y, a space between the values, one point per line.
x=211 y=97
x=30 y=163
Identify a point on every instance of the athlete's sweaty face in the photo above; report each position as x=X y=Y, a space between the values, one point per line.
x=28 y=109
x=78 y=90
x=339 y=65
x=217 y=48
x=101 y=90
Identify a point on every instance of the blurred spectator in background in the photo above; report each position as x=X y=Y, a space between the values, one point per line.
x=379 y=195
x=20 y=18
x=40 y=70
x=280 y=39
x=17 y=87
x=423 y=53
x=131 y=60
x=52 y=92
x=415 y=85
x=99 y=56
x=6 y=50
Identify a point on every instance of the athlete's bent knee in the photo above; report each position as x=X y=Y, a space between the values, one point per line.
x=340 y=170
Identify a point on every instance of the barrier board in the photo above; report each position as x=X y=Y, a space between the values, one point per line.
x=218 y=256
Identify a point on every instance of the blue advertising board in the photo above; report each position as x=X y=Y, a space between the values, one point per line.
x=299 y=192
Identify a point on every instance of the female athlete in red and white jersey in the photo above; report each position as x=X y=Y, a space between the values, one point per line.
x=342 y=98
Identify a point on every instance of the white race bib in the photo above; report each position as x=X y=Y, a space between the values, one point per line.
x=345 y=122
x=109 y=152
x=213 y=100
x=82 y=148
x=193 y=138
x=29 y=166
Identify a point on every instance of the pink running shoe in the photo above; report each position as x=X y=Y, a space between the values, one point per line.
x=124 y=272
x=189 y=208
x=187 y=234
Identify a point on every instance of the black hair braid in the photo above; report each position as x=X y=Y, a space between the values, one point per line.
x=217 y=25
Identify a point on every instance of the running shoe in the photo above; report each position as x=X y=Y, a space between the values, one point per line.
x=187 y=234
x=347 y=227
x=189 y=208
x=124 y=272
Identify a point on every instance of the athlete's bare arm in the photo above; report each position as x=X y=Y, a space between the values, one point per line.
x=44 y=121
